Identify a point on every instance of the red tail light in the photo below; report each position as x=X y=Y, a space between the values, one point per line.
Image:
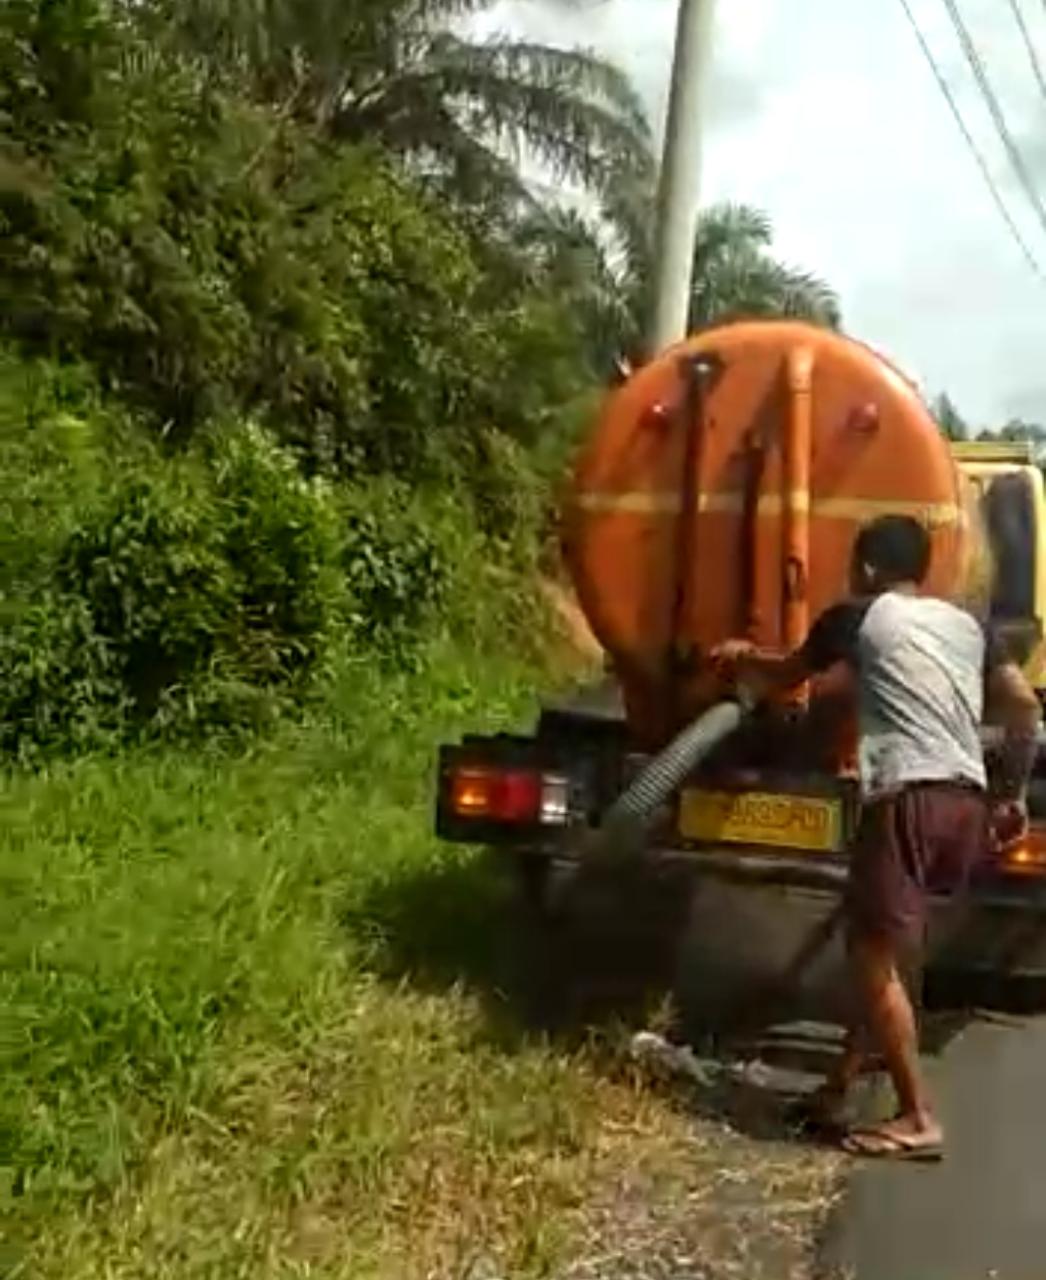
x=509 y=795
x=502 y=795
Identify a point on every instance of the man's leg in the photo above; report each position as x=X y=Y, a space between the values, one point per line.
x=850 y=1063
x=826 y=1107
x=891 y=1022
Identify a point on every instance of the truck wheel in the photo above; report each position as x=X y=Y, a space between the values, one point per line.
x=543 y=885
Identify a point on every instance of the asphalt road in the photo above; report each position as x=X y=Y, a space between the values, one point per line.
x=982 y=1212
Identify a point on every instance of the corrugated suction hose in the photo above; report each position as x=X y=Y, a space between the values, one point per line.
x=624 y=823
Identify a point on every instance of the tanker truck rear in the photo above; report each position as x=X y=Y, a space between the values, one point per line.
x=718 y=496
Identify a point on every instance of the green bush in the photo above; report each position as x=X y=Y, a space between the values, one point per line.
x=196 y=594
x=177 y=595
x=510 y=495
x=210 y=258
x=210 y=576
x=61 y=688
x=397 y=573
x=53 y=436
x=281 y=537
x=152 y=573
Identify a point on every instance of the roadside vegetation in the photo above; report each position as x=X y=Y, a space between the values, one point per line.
x=291 y=360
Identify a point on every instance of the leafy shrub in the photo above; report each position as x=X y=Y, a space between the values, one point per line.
x=60 y=682
x=397 y=574
x=281 y=537
x=220 y=571
x=53 y=435
x=201 y=591
x=509 y=495
x=151 y=570
x=193 y=596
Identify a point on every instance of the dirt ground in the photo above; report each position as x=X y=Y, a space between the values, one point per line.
x=735 y=1195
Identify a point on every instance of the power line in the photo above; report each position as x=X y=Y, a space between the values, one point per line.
x=1029 y=44
x=971 y=142
x=973 y=57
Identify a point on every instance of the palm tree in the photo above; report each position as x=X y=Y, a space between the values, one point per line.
x=466 y=116
x=462 y=114
x=569 y=256
x=737 y=277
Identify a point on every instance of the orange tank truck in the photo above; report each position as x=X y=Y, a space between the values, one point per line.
x=718 y=495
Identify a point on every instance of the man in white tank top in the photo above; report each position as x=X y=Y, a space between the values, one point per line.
x=927 y=675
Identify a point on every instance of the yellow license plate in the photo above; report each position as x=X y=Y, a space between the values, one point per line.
x=762 y=818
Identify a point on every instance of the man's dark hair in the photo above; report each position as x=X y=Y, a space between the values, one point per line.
x=896 y=548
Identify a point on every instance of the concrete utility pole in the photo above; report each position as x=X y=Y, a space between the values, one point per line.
x=679 y=192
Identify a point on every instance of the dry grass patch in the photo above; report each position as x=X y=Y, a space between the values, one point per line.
x=403 y=1144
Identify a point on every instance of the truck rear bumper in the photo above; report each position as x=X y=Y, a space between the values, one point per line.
x=751 y=916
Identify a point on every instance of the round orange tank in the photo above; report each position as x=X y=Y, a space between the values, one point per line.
x=720 y=494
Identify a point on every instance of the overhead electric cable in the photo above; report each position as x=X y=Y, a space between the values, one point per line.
x=1029 y=44
x=991 y=100
x=971 y=142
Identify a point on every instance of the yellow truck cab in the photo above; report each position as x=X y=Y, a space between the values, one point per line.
x=1012 y=500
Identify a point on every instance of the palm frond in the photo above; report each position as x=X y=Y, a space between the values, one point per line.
x=487 y=185
x=574 y=114
x=577 y=72
x=729 y=226
x=629 y=208
x=748 y=285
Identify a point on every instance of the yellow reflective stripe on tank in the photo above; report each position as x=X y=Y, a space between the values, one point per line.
x=936 y=515
x=650 y=502
x=639 y=503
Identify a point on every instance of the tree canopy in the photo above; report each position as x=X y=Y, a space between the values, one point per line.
x=461 y=114
x=272 y=271
x=320 y=212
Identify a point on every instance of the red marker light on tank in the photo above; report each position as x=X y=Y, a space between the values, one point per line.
x=865 y=418
x=657 y=414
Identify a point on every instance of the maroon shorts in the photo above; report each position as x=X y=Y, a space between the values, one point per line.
x=925 y=840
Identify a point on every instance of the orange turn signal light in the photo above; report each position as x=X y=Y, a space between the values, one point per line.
x=470 y=794
x=1026 y=858
x=504 y=795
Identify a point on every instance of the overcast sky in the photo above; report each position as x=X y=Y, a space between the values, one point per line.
x=825 y=114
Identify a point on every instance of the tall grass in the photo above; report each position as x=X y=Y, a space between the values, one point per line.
x=196 y=977
x=255 y=1020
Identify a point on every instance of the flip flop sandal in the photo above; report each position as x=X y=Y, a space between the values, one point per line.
x=882 y=1144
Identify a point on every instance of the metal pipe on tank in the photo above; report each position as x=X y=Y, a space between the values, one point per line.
x=796 y=454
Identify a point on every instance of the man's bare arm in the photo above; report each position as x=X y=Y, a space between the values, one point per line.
x=1012 y=704
x=832 y=639
x=764 y=674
